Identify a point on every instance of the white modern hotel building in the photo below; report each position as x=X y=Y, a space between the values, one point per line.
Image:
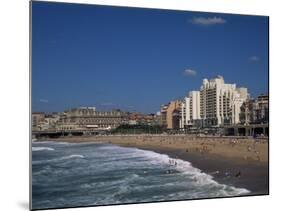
x=216 y=104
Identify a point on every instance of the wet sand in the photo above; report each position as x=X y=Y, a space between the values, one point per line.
x=241 y=162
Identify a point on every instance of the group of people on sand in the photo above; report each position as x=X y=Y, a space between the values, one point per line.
x=202 y=149
x=227 y=173
x=254 y=150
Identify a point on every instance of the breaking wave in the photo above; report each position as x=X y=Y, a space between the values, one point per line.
x=42 y=148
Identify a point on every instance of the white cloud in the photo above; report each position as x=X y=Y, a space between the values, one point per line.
x=43 y=101
x=254 y=58
x=189 y=72
x=208 y=21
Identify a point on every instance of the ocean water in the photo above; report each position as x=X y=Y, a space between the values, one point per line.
x=70 y=175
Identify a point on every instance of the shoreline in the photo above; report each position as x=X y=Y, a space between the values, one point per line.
x=254 y=177
x=222 y=158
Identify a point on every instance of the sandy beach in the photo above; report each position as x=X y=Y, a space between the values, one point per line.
x=238 y=161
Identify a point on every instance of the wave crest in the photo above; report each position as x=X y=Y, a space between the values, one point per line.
x=42 y=149
x=59 y=159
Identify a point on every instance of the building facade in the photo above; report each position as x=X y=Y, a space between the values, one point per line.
x=190 y=110
x=37 y=119
x=220 y=103
x=185 y=113
x=170 y=115
x=255 y=111
x=137 y=118
x=261 y=109
x=89 y=118
x=44 y=121
x=216 y=104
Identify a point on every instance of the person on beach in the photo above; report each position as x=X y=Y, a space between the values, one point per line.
x=249 y=149
x=238 y=174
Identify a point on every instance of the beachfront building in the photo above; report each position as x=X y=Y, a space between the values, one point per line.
x=215 y=105
x=176 y=118
x=50 y=121
x=261 y=109
x=137 y=118
x=255 y=111
x=44 y=121
x=37 y=119
x=185 y=113
x=220 y=103
x=89 y=118
x=190 y=110
x=170 y=114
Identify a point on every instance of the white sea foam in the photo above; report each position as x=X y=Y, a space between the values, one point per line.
x=42 y=142
x=64 y=143
x=114 y=174
x=66 y=158
x=53 y=142
x=59 y=159
x=200 y=178
x=42 y=148
x=71 y=156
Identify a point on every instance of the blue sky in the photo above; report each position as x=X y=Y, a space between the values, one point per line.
x=137 y=59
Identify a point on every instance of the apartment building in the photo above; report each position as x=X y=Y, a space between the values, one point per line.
x=190 y=110
x=255 y=111
x=169 y=113
x=216 y=104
